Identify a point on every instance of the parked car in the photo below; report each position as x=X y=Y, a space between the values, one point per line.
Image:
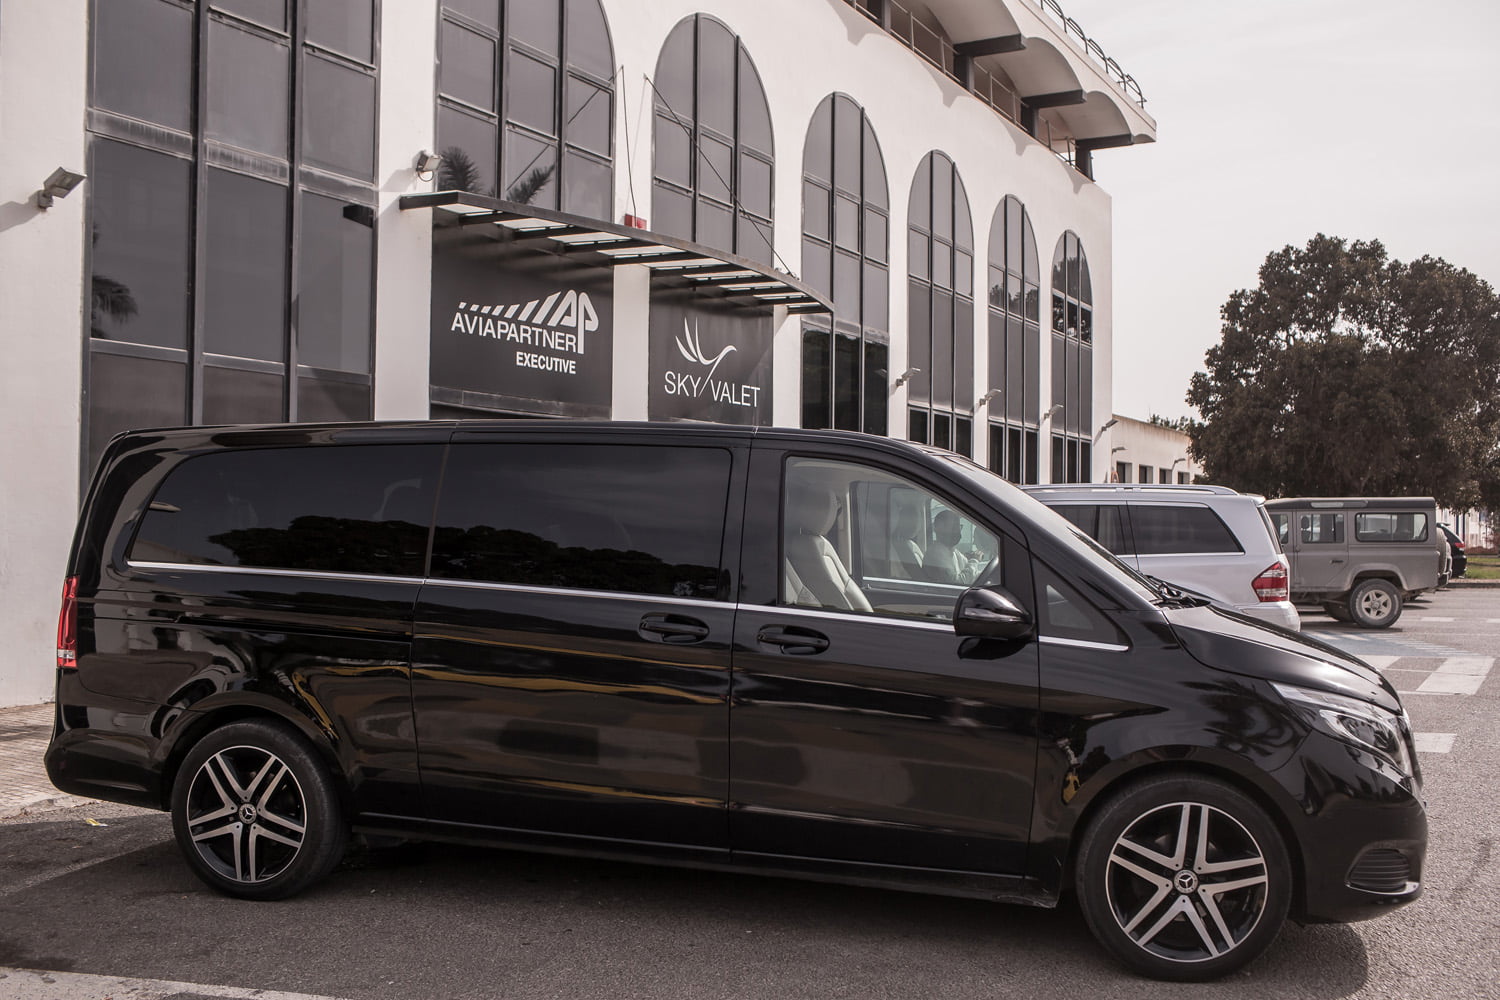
x=703 y=646
x=1445 y=558
x=1208 y=539
x=1360 y=557
x=1460 y=555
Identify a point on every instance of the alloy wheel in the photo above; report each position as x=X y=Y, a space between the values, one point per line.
x=246 y=814
x=1186 y=882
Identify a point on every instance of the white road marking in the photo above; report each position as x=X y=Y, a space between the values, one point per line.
x=1380 y=662
x=1458 y=675
x=1430 y=618
x=1433 y=742
x=33 y=984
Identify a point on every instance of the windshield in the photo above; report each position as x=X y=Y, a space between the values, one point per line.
x=1059 y=528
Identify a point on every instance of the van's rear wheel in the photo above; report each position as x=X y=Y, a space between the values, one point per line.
x=1184 y=878
x=1375 y=604
x=1338 y=612
x=255 y=813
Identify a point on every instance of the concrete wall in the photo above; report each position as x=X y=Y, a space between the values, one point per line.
x=43 y=50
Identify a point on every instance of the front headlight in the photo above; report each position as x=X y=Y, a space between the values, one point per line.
x=1367 y=726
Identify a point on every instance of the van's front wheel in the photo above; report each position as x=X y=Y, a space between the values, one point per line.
x=1184 y=878
x=255 y=813
x=1375 y=603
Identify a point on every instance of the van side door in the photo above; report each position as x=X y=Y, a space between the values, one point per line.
x=1321 y=543
x=864 y=730
x=571 y=651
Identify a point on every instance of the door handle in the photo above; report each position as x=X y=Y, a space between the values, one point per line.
x=679 y=630
x=793 y=640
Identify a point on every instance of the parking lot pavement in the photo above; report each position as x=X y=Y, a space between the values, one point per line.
x=24 y=732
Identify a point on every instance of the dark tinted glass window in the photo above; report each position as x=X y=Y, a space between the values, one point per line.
x=1160 y=529
x=469 y=147
x=142 y=245
x=1321 y=529
x=246 y=290
x=333 y=319
x=345 y=26
x=143 y=61
x=1064 y=613
x=242 y=396
x=339 y=509
x=325 y=400
x=248 y=81
x=1103 y=524
x=1390 y=527
x=637 y=519
x=127 y=393
x=339 y=119
x=271 y=13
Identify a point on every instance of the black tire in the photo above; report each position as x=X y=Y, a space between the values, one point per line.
x=1375 y=603
x=1338 y=612
x=255 y=812
x=1163 y=907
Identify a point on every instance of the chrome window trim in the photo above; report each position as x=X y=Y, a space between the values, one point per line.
x=849 y=616
x=171 y=567
x=1107 y=647
x=610 y=595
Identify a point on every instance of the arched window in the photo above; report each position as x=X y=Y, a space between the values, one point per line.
x=940 y=307
x=845 y=255
x=1072 y=362
x=1015 y=304
x=713 y=154
x=526 y=103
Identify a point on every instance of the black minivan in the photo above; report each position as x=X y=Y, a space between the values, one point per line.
x=803 y=653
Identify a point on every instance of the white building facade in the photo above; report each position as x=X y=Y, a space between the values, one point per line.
x=874 y=215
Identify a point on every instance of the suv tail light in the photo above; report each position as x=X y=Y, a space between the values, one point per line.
x=1271 y=584
x=1457 y=545
x=67 y=626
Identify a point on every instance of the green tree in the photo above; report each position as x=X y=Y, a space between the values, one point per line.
x=1347 y=373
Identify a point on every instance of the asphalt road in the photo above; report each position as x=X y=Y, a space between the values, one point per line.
x=86 y=905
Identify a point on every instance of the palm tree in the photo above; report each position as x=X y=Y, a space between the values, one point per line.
x=112 y=301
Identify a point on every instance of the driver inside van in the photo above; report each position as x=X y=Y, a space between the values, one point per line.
x=944 y=562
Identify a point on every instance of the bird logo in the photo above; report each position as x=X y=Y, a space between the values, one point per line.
x=691 y=348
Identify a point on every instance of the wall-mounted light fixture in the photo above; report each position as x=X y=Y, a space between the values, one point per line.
x=987 y=397
x=1107 y=425
x=426 y=163
x=1052 y=411
x=906 y=376
x=1116 y=448
x=57 y=185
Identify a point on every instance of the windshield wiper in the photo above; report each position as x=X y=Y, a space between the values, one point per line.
x=1176 y=597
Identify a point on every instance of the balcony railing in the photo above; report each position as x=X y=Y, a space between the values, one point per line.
x=984 y=85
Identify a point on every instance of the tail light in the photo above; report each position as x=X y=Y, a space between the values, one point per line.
x=1271 y=584
x=67 y=626
x=1457 y=545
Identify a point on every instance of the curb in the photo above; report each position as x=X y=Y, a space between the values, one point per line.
x=1463 y=584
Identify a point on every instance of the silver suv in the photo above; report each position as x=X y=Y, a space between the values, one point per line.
x=1209 y=539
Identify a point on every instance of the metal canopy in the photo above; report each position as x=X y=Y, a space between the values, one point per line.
x=672 y=259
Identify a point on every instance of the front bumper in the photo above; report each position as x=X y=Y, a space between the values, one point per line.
x=1362 y=834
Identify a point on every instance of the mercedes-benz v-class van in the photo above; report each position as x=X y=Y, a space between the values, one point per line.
x=710 y=646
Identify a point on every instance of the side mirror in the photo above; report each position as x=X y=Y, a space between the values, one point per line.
x=992 y=613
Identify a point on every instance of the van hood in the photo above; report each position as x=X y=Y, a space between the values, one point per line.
x=1236 y=644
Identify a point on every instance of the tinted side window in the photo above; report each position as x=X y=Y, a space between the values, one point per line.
x=341 y=509
x=1392 y=527
x=1321 y=529
x=1179 y=530
x=1064 y=613
x=637 y=519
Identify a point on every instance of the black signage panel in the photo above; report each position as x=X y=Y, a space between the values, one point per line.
x=532 y=329
x=709 y=360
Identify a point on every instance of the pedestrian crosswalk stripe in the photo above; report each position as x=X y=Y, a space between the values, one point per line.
x=1458 y=675
x=1380 y=662
x=1434 y=742
x=1431 y=618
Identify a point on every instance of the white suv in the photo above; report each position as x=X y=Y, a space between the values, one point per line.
x=1208 y=539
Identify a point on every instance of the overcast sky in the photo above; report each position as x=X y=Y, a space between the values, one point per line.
x=1277 y=120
